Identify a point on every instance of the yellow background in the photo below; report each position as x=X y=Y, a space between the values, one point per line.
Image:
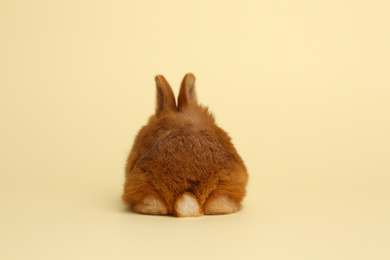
x=302 y=87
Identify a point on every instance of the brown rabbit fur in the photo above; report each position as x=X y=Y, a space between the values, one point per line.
x=182 y=163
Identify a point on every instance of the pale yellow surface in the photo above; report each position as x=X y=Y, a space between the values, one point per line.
x=303 y=88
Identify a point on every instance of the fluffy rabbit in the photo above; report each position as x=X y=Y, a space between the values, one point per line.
x=182 y=163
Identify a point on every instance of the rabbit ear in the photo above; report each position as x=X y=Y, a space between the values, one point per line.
x=165 y=98
x=187 y=92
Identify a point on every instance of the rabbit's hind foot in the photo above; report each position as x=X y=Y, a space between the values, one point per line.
x=220 y=205
x=151 y=205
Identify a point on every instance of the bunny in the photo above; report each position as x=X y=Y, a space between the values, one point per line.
x=181 y=162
